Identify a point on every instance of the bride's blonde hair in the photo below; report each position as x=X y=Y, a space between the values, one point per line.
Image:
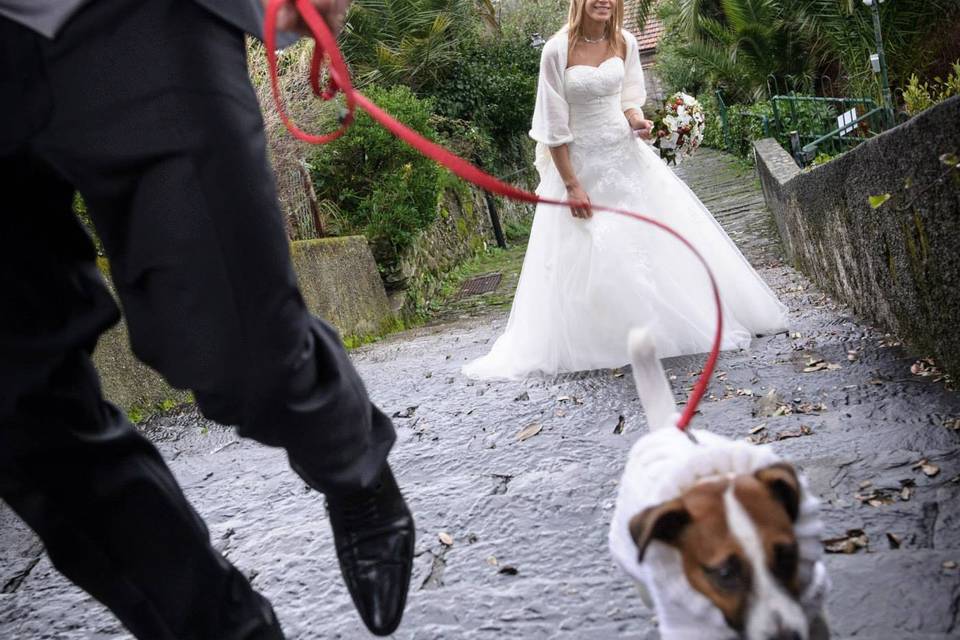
x=615 y=26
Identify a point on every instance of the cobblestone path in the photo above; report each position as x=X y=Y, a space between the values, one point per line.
x=528 y=520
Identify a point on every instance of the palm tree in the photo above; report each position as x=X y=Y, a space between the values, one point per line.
x=840 y=33
x=413 y=42
x=742 y=44
x=793 y=39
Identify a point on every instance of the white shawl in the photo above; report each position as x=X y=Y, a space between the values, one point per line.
x=551 y=114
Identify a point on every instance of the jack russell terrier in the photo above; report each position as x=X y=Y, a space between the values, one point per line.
x=722 y=536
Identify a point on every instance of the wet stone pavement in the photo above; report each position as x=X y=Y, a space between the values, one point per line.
x=512 y=534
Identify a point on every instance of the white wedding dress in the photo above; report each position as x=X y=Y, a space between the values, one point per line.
x=586 y=283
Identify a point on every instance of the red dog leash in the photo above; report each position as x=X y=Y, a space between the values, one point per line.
x=326 y=49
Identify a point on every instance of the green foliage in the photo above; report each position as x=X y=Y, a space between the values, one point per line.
x=382 y=187
x=494 y=85
x=878 y=201
x=841 y=35
x=413 y=42
x=919 y=96
x=755 y=47
x=821 y=159
x=739 y=46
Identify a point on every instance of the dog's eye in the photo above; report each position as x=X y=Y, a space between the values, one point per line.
x=728 y=576
x=785 y=558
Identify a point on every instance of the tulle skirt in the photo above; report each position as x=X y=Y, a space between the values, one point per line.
x=586 y=283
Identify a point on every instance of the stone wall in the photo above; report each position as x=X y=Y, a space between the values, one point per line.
x=339 y=281
x=462 y=229
x=897 y=264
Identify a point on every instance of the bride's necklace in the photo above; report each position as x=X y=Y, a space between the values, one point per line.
x=595 y=40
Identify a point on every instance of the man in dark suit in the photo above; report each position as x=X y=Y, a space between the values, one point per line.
x=146 y=109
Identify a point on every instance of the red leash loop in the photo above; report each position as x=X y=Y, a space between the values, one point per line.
x=326 y=49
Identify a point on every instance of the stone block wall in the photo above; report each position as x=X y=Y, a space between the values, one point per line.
x=897 y=264
x=462 y=229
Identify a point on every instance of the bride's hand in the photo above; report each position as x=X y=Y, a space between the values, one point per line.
x=641 y=126
x=575 y=193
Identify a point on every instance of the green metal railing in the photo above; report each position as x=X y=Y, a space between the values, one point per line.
x=806 y=125
x=840 y=139
x=815 y=121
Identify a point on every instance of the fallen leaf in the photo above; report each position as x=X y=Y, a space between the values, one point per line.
x=855 y=540
x=894 y=540
x=621 y=425
x=445 y=538
x=767 y=405
x=808 y=407
x=529 y=431
x=878 y=201
x=925 y=368
x=406 y=413
x=929 y=469
x=952 y=424
x=950 y=160
x=906 y=493
x=509 y=570
x=745 y=392
x=804 y=430
x=949 y=564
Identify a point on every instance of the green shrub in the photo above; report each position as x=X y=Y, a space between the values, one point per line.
x=919 y=96
x=494 y=85
x=382 y=187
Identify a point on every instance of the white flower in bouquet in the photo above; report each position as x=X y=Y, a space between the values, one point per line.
x=679 y=127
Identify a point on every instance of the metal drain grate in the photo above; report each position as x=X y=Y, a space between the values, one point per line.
x=480 y=285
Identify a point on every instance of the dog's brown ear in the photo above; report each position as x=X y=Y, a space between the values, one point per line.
x=663 y=522
x=781 y=481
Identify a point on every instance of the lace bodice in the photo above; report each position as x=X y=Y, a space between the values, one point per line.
x=594 y=98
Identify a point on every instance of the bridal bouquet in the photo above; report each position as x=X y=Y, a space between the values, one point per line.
x=678 y=127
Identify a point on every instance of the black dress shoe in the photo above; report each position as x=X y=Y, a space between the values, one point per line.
x=374 y=536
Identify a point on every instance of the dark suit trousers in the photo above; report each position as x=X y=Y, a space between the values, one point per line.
x=145 y=109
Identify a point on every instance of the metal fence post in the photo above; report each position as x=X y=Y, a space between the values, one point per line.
x=797 y=150
x=495 y=220
x=722 y=108
x=774 y=102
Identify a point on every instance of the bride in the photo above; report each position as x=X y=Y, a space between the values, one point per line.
x=587 y=279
